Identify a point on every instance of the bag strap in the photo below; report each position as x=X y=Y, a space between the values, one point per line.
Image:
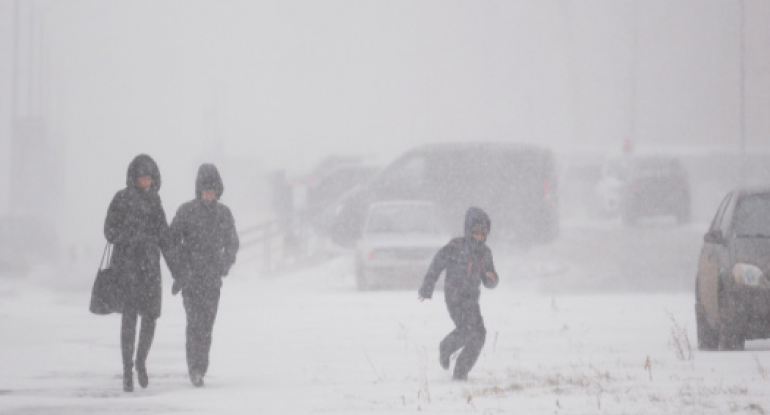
x=107 y=254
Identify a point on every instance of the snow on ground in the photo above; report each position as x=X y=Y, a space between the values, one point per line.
x=308 y=342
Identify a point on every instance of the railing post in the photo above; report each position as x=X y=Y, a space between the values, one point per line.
x=267 y=253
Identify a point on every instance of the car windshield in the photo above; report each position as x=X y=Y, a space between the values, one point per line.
x=752 y=216
x=397 y=219
x=654 y=167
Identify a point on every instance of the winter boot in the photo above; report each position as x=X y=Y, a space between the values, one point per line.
x=141 y=375
x=196 y=378
x=443 y=359
x=128 y=380
x=146 y=335
x=460 y=377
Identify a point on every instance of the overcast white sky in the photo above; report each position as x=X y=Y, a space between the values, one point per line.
x=287 y=82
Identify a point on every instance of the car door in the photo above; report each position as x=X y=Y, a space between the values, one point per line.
x=713 y=255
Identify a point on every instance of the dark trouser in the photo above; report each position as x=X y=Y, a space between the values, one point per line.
x=469 y=335
x=128 y=338
x=200 y=305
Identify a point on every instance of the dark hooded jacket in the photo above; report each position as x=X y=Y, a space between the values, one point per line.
x=136 y=226
x=466 y=262
x=204 y=235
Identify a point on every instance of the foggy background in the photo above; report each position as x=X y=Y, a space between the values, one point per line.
x=259 y=87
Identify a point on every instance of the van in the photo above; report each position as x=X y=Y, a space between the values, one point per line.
x=514 y=183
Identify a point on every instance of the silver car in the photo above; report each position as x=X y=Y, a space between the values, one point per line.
x=398 y=243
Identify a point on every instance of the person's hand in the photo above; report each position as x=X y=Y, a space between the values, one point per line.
x=491 y=276
x=176 y=287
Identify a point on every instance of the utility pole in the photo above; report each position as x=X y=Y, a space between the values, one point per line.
x=15 y=144
x=33 y=158
x=742 y=93
x=633 y=104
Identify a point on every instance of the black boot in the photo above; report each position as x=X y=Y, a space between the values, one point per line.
x=141 y=375
x=196 y=378
x=146 y=335
x=127 y=336
x=461 y=377
x=128 y=380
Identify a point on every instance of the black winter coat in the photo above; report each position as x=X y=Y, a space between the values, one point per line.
x=136 y=226
x=204 y=236
x=466 y=262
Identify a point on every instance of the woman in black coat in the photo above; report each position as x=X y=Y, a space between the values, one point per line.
x=136 y=226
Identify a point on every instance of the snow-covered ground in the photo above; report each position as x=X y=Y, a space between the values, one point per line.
x=308 y=342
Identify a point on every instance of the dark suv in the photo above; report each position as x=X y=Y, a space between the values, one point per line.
x=637 y=186
x=515 y=184
x=732 y=288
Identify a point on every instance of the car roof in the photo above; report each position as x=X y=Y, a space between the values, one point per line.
x=753 y=190
x=488 y=146
x=401 y=202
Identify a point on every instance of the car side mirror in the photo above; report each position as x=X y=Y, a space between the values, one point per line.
x=714 y=237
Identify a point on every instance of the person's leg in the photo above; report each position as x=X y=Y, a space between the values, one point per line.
x=193 y=305
x=455 y=340
x=190 y=307
x=127 y=339
x=208 y=315
x=474 y=334
x=146 y=335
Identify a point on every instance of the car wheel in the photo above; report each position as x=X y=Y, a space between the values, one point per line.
x=731 y=339
x=731 y=336
x=708 y=338
x=361 y=283
x=630 y=218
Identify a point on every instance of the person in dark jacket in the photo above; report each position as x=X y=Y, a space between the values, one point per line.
x=136 y=226
x=468 y=264
x=206 y=243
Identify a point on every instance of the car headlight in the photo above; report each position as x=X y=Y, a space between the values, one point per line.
x=750 y=275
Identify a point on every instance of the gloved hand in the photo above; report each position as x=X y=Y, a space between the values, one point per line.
x=176 y=287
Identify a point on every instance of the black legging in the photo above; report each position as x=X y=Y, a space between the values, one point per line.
x=128 y=338
x=469 y=334
x=201 y=306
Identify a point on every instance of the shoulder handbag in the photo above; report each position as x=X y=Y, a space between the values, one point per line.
x=107 y=292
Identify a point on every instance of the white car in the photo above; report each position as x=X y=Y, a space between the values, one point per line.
x=398 y=243
x=636 y=186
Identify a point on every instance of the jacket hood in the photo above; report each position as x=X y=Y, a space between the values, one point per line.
x=473 y=216
x=143 y=165
x=208 y=178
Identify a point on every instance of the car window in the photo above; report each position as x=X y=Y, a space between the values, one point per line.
x=752 y=216
x=615 y=168
x=715 y=224
x=398 y=219
x=725 y=222
x=654 y=167
x=404 y=175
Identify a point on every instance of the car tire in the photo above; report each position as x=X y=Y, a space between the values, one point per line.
x=630 y=218
x=731 y=336
x=708 y=338
x=731 y=340
x=361 y=283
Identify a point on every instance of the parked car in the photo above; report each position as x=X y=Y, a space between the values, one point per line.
x=637 y=186
x=398 y=243
x=514 y=183
x=732 y=287
x=338 y=180
x=25 y=241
